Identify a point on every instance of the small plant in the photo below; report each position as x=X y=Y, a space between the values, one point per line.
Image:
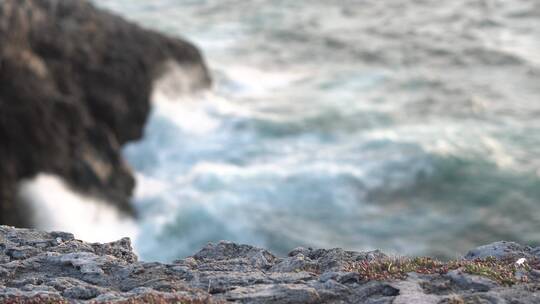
x=502 y=271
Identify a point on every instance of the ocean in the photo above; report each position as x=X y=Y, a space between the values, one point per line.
x=409 y=126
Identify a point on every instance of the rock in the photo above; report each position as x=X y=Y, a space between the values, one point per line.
x=338 y=259
x=76 y=83
x=61 y=237
x=120 y=249
x=282 y=293
x=296 y=263
x=535 y=273
x=471 y=282
x=500 y=250
x=341 y=277
x=300 y=250
x=226 y=252
x=20 y=253
x=411 y=292
x=73 y=271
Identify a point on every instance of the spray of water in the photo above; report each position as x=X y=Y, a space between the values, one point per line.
x=54 y=206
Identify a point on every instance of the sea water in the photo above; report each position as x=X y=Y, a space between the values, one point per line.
x=408 y=126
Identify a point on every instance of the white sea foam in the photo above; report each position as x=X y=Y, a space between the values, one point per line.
x=256 y=82
x=358 y=124
x=57 y=207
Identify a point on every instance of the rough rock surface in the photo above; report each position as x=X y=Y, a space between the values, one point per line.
x=40 y=267
x=75 y=83
x=501 y=250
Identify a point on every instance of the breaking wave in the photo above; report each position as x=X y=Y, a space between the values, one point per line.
x=408 y=126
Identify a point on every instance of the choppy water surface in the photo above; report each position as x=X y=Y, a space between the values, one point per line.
x=410 y=126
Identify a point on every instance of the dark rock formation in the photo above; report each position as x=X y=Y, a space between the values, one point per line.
x=40 y=267
x=75 y=83
x=501 y=250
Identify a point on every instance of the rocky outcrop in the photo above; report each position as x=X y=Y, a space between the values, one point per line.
x=75 y=83
x=40 y=267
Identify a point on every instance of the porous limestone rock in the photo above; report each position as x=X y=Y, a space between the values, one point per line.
x=41 y=267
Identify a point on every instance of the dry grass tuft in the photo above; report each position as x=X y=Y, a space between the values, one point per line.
x=502 y=271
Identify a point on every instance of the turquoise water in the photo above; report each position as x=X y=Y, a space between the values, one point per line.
x=409 y=126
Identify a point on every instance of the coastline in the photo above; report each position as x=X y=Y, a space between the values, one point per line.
x=73 y=96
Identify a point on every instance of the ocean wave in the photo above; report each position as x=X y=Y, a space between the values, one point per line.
x=408 y=126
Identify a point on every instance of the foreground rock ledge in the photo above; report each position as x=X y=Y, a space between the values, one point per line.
x=42 y=267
